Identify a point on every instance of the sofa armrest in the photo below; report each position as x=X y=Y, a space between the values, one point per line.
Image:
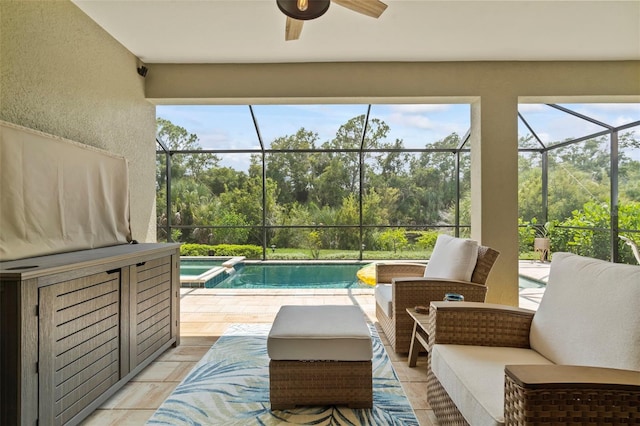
x=479 y=324
x=385 y=272
x=553 y=394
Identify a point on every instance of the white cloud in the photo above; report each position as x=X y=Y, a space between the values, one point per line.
x=532 y=108
x=416 y=121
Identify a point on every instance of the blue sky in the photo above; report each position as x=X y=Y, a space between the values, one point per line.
x=231 y=126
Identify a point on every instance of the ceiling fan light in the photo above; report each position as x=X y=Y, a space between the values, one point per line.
x=315 y=8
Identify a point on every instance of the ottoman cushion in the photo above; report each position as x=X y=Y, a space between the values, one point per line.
x=326 y=332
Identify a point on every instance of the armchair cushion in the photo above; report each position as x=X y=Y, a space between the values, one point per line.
x=467 y=373
x=586 y=306
x=384 y=298
x=452 y=258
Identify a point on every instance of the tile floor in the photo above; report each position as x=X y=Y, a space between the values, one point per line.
x=206 y=313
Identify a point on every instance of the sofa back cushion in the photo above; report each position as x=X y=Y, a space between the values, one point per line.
x=452 y=258
x=589 y=314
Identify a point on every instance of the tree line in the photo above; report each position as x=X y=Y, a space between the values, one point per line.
x=310 y=182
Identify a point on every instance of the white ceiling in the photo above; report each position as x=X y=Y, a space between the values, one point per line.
x=246 y=31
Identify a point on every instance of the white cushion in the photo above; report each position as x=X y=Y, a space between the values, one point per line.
x=589 y=314
x=452 y=258
x=327 y=332
x=473 y=376
x=384 y=298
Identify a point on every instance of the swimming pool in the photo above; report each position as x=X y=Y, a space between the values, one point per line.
x=234 y=273
x=198 y=266
x=525 y=282
x=294 y=276
x=207 y=271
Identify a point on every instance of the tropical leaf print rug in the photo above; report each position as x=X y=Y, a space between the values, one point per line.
x=230 y=386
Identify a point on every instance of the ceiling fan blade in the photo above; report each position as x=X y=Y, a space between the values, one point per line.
x=373 y=8
x=292 y=29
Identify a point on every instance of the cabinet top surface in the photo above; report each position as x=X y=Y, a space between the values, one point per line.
x=34 y=267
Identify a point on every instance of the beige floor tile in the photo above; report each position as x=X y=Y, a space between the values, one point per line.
x=198 y=340
x=140 y=395
x=184 y=353
x=409 y=374
x=417 y=394
x=426 y=418
x=118 y=417
x=165 y=371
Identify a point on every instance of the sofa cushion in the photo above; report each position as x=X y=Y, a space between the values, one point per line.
x=473 y=376
x=384 y=295
x=589 y=314
x=452 y=258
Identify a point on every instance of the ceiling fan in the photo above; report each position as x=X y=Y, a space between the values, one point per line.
x=298 y=11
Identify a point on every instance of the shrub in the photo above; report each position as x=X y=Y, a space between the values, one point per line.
x=247 y=250
x=427 y=239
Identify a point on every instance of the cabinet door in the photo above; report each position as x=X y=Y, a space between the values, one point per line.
x=151 y=290
x=79 y=354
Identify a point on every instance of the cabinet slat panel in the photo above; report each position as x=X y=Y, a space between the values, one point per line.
x=148 y=335
x=153 y=310
x=144 y=326
x=146 y=304
x=67 y=387
x=69 y=365
x=160 y=287
x=153 y=263
x=86 y=307
x=154 y=274
x=77 y=325
x=88 y=392
x=150 y=349
x=86 y=347
x=85 y=288
x=74 y=333
x=76 y=339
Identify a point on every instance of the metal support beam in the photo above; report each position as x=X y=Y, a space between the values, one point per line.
x=615 y=255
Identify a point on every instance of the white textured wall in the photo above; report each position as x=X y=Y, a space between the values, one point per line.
x=62 y=74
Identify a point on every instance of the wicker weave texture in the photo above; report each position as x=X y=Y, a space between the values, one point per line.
x=443 y=407
x=486 y=258
x=408 y=293
x=479 y=326
x=385 y=272
x=584 y=406
x=412 y=290
x=294 y=383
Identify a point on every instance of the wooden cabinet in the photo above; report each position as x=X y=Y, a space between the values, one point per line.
x=75 y=327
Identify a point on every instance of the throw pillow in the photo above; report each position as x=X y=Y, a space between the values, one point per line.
x=452 y=258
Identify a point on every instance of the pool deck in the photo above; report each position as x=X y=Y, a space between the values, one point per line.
x=529 y=298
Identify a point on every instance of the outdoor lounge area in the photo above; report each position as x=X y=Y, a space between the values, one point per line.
x=207 y=313
x=162 y=129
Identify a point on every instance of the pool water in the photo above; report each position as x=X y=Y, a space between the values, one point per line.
x=524 y=282
x=198 y=267
x=295 y=276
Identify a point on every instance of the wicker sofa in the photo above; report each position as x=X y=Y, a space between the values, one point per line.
x=402 y=285
x=576 y=360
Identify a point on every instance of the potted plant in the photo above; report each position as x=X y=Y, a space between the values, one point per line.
x=542 y=242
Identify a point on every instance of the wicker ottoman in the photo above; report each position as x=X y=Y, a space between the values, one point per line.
x=320 y=355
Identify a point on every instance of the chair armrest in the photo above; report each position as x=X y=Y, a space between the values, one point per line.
x=385 y=272
x=479 y=324
x=410 y=292
x=554 y=394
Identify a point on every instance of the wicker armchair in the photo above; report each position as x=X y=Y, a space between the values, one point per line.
x=574 y=361
x=410 y=288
